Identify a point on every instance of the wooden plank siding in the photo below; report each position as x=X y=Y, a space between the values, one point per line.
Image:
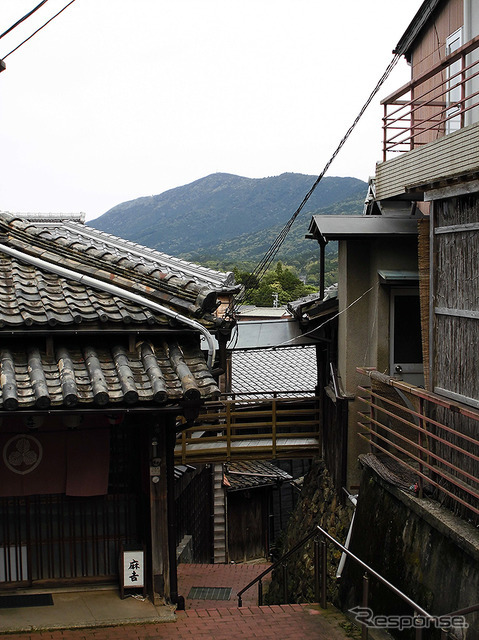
x=449 y=156
x=456 y=298
x=429 y=48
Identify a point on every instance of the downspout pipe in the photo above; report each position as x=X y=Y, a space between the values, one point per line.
x=115 y=290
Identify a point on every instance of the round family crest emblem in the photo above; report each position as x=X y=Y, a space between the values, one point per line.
x=22 y=453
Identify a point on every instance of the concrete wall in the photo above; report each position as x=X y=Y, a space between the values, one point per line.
x=420 y=547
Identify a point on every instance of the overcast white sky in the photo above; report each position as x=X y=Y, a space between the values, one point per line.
x=117 y=99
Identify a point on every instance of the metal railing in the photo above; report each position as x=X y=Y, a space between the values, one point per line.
x=320 y=564
x=401 y=426
x=260 y=427
x=435 y=103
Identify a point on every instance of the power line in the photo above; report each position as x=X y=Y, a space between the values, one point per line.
x=263 y=266
x=24 y=18
x=39 y=29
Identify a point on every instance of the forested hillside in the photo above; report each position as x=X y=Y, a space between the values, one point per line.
x=227 y=221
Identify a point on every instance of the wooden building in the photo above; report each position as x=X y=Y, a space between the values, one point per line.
x=104 y=344
x=249 y=487
x=409 y=265
x=408 y=327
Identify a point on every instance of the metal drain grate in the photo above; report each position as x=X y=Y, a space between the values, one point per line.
x=210 y=593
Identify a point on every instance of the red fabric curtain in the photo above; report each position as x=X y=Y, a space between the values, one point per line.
x=54 y=460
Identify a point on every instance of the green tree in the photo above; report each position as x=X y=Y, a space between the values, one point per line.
x=280 y=282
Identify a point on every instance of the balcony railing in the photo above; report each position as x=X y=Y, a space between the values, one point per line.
x=438 y=102
x=431 y=437
x=259 y=428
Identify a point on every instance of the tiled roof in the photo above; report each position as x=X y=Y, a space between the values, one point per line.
x=53 y=243
x=252 y=475
x=71 y=230
x=71 y=309
x=282 y=369
x=313 y=306
x=98 y=373
x=31 y=297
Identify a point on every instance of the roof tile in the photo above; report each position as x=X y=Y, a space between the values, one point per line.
x=102 y=375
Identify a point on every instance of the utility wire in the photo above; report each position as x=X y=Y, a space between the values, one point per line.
x=39 y=29
x=263 y=266
x=24 y=18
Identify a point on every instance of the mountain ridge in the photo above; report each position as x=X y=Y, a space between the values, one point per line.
x=228 y=218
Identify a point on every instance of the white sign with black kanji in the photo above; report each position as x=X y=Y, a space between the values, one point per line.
x=133 y=569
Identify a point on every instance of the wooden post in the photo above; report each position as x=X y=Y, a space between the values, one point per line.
x=159 y=568
x=171 y=507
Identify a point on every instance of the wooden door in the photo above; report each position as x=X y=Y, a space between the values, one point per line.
x=247 y=525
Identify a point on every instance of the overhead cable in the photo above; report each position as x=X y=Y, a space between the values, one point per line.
x=263 y=266
x=39 y=29
x=24 y=18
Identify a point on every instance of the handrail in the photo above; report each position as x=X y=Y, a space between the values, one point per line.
x=463 y=612
x=442 y=456
x=276 y=564
x=427 y=75
x=319 y=531
x=411 y=120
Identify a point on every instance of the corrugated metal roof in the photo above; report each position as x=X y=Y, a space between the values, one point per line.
x=251 y=311
x=256 y=334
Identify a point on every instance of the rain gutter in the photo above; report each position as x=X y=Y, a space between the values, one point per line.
x=115 y=290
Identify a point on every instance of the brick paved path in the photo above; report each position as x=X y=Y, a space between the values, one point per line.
x=216 y=620
x=235 y=576
x=285 y=622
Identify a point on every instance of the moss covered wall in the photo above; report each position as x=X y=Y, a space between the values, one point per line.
x=420 y=547
x=319 y=504
x=416 y=544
